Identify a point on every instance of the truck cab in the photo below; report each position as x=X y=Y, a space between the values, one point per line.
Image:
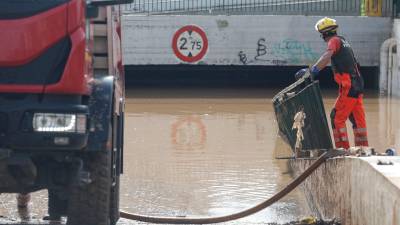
x=62 y=105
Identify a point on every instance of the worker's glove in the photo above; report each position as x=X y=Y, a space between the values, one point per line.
x=314 y=71
x=300 y=73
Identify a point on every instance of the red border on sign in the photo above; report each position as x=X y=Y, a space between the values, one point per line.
x=175 y=43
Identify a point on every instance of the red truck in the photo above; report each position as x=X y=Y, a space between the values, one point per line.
x=62 y=105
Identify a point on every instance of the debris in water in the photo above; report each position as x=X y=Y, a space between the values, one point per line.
x=310 y=221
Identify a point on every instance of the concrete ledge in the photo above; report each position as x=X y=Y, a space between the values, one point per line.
x=356 y=190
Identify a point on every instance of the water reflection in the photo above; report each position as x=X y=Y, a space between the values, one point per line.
x=388 y=123
x=220 y=157
x=188 y=133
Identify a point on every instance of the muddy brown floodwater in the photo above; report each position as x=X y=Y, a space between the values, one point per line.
x=211 y=152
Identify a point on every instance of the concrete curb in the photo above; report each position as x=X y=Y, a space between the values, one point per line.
x=356 y=190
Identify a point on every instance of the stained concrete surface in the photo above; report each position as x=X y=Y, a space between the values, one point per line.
x=369 y=191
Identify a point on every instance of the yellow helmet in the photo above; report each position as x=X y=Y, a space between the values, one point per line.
x=326 y=24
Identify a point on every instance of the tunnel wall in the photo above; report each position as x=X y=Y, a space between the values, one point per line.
x=256 y=40
x=356 y=190
x=220 y=75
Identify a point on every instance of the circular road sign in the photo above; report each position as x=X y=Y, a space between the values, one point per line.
x=190 y=43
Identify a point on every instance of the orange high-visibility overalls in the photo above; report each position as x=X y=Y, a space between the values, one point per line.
x=349 y=104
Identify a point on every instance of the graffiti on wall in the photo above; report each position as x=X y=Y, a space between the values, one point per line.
x=288 y=51
x=294 y=51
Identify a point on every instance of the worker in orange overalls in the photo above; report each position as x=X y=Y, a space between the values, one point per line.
x=349 y=104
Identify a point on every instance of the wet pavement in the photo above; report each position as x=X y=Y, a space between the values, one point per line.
x=211 y=152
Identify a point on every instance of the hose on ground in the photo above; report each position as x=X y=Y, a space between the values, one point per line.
x=244 y=213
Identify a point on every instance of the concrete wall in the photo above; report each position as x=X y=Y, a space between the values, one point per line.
x=356 y=190
x=248 y=40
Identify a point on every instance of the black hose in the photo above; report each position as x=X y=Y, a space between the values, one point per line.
x=247 y=212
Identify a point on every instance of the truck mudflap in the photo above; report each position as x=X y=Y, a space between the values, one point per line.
x=101 y=111
x=303 y=99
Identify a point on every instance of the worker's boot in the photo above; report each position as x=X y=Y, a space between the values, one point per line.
x=53 y=218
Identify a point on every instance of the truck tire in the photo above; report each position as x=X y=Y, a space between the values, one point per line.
x=90 y=204
x=114 y=202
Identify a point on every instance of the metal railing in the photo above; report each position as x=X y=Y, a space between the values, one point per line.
x=273 y=7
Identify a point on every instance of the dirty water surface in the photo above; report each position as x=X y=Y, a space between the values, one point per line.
x=211 y=152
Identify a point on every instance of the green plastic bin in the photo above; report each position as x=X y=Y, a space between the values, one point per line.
x=304 y=95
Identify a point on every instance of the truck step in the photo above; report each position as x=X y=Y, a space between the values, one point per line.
x=102 y=15
x=100 y=30
x=100 y=62
x=100 y=45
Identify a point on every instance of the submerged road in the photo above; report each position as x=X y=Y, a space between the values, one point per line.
x=208 y=152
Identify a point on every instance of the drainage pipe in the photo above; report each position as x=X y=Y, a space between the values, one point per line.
x=384 y=82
